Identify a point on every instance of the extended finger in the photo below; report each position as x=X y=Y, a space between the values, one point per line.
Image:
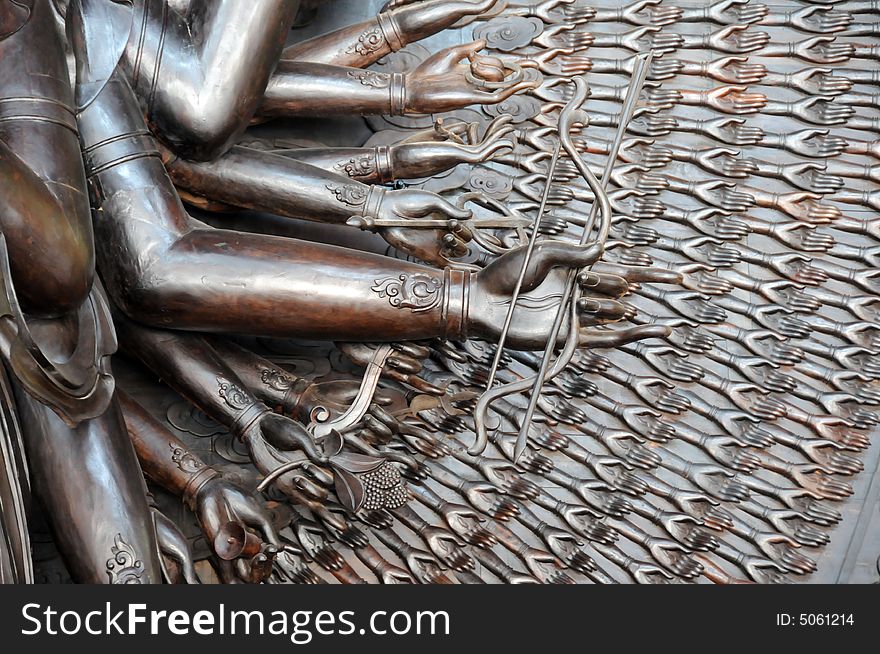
x=639 y=274
x=609 y=285
x=257 y=520
x=502 y=94
x=598 y=310
x=413 y=350
x=384 y=417
x=615 y=338
x=551 y=254
x=445 y=59
x=294 y=437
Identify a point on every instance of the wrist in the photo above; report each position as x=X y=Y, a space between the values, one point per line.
x=293 y=404
x=397 y=94
x=384 y=160
x=372 y=206
x=391 y=30
x=247 y=417
x=456 y=315
x=196 y=484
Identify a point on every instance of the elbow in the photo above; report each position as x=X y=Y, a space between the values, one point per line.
x=204 y=130
x=61 y=288
x=138 y=298
x=135 y=287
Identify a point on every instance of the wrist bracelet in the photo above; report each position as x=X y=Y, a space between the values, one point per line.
x=391 y=31
x=373 y=202
x=248 y=417
x=195 y=484
x=384 y=166
x=456 y=297
x=397 y=93
x=292 y=398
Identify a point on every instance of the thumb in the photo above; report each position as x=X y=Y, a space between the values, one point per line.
x=290 y=435
x=552 y=254
x=437 y=204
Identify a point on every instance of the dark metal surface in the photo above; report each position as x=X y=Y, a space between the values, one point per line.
x=429 y=173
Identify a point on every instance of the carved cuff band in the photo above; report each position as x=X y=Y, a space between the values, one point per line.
x=195 y=484
x=294 y=394
x=391 y=31
x=44 y=110
x=397 y=92
x=248 y=417
x=456 y=297
x=373 y=202
x=119 y=150
x=384 y=165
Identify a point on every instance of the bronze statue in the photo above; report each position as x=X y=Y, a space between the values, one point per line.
x=350 y=256
x=58 y=335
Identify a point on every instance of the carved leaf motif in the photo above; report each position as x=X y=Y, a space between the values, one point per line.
x=277 y=379
x=332 y=444
x=353 y=196
x=356 y=166
x=418 y=292
x=371 y=78
x=349 y=489
x=357 y=463
x=185 y=460
x=124 y=567
x=234 y=396
x=368 y=42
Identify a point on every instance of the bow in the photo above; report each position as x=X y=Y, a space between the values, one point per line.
x=571 y=114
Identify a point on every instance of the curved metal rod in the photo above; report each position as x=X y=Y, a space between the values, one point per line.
x=572 y=293
x=278 y=472
x=530 y=248
x=490 y=396
x=570 y=114
x=361 y=402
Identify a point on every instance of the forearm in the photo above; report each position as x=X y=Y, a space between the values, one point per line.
x=311 y=89
x=276 y=184
x=164 y=458
x=357 y=45
x=366 y=42
x=381 y=164
x=163 y=268
x=273 y=385
x=366 y=165
x=188 y=364
x=224 y=281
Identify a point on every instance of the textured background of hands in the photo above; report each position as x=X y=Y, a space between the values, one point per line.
x=667 y=459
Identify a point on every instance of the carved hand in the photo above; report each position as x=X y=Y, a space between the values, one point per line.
x=442 y=83
x=542 y=286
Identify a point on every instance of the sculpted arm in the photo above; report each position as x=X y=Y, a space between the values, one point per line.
x=364 y=43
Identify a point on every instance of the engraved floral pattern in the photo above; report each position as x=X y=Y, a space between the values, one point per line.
x=277 y=379
x=124 y=567
x=354 y=196
x=185 y=459
x=418 y=292
x=371 y=78
x=368 y=42
x=357 y=166
x=234 y=396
